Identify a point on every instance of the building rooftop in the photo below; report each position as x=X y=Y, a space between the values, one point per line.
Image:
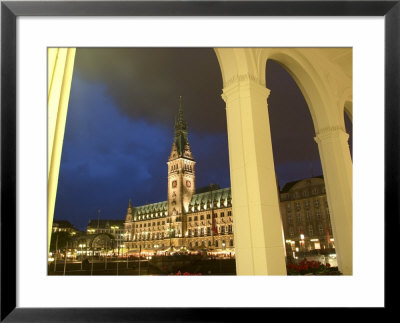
x=62 y=224
x=105 y=224
x=289 y=186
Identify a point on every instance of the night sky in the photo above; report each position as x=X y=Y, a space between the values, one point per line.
x=120 y=127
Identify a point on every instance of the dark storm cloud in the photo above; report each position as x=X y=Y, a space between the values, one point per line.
x=295 y=151
x=292 y=128
x=119 y=128
x=146 y=83
x=107 y=158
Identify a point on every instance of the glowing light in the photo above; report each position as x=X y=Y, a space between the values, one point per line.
x=302 y=236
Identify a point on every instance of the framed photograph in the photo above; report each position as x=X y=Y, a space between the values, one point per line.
x=310 y=39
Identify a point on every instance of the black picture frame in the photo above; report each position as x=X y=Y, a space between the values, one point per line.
x=10 y=10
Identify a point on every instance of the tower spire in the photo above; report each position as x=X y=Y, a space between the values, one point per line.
x=181 y=122
x=181 y=139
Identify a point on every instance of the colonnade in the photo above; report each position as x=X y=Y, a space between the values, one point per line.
x=324 y=77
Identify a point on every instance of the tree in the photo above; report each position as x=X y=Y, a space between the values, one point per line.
x=63 y=238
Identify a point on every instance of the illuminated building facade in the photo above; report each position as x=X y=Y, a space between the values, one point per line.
x=305 y=215
x=113 y=227
x=203 y=220
x=63 y=226
x=187 y=220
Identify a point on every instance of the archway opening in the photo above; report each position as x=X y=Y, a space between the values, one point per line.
x=302 y=195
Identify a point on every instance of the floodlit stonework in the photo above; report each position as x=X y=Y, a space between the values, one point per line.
x=186 y=221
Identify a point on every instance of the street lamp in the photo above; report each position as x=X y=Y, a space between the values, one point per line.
x=302 y=245
x=170 y=237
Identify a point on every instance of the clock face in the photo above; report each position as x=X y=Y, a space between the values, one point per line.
x=174 y=183
x=188 y=183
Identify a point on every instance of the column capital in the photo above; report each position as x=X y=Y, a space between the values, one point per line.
x=243 y=81
x=331 y=133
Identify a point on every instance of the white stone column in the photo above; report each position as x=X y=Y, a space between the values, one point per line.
x=259 y=242
x=60 y=69
x=338 y=176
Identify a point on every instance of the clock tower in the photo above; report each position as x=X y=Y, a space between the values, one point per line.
x=181 y=178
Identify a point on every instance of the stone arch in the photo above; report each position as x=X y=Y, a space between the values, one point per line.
x=99 y=240
x=314 y=86
x=326 y=87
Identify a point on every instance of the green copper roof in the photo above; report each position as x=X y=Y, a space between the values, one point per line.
x=181 y=138
x=150 y=208
x=221 y=197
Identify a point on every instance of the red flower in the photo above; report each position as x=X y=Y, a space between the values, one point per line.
x=328 y=265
